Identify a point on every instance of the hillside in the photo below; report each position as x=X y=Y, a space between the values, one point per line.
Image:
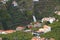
x=13 y=16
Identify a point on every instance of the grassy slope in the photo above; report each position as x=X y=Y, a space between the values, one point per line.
x=55 y=33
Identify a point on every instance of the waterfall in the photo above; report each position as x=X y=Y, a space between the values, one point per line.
x=34 y=18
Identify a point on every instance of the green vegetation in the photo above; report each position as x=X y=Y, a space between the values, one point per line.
x=17 y=36
x=11 y=17
x=55 y=33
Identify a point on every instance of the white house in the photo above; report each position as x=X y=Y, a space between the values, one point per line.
x=4 y=1
x=50 y=19
x=29 y=30
x=15 y=3
x=45 y=29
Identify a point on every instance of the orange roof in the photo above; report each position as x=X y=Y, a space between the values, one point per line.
x=10 y=31
x=35 y=38
x=20 y=26
x=1 y=30
x=45 y=26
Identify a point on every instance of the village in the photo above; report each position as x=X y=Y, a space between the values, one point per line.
x=39 y=26
x=47 y=28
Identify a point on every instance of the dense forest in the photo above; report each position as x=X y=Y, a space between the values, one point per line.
x=12 y=16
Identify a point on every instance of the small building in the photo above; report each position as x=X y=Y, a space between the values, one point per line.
x=45 y=29
x=57 y=12
x=41 y=30
x=49 y=19
x=4 y=1
x=28 y=30
x=30 y=26
x=37 y=24
x=6 y=31
x=1 y=31
x=57 y=8
x=19 y=28
x=52 y=39
x=35 y=38
x=0 y=38
x=9 y=31
x=15 y=3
